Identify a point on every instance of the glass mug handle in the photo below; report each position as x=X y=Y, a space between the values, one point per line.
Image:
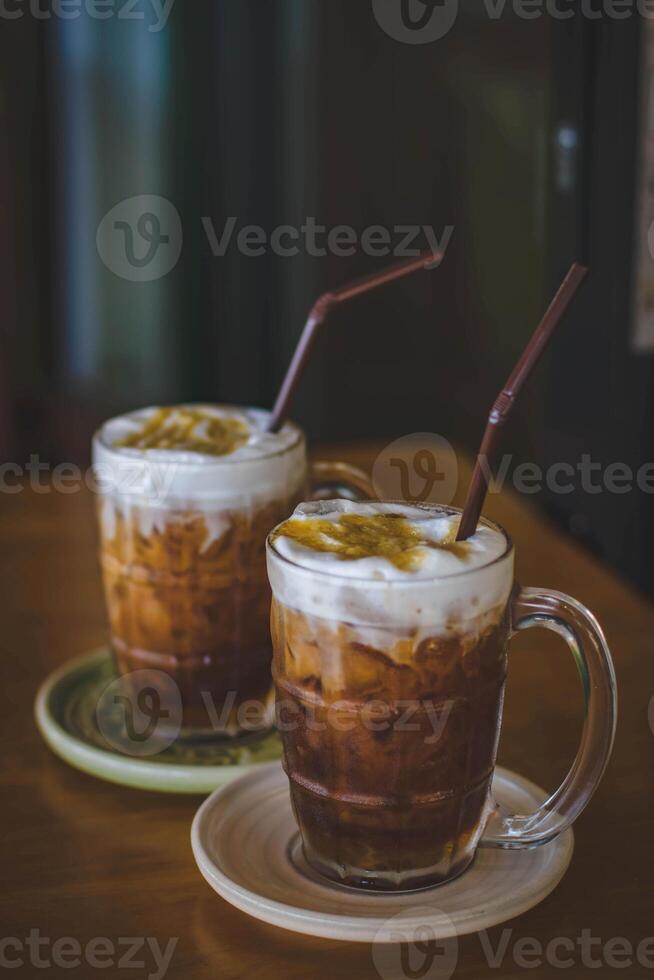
x=583 y=634
x=329 y=480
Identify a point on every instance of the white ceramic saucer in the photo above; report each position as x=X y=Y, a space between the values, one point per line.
x=246 y=845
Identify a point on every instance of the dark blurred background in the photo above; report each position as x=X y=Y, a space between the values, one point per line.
x=531 y=137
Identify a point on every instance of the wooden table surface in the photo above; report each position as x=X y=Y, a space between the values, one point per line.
x=85 y=859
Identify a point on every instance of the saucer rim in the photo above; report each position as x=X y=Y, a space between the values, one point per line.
x=134 y=773
x=346 y=928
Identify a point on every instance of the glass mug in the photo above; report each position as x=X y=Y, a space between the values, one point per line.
x=390 y=729
x=182 y=551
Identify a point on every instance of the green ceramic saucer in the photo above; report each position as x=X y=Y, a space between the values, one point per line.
x=65 y=711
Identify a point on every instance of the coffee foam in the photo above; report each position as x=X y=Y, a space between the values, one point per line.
x=152 y=482
x=444 y=591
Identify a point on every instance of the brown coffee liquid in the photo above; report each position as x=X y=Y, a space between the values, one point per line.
x=195 y=609
x=389 y=752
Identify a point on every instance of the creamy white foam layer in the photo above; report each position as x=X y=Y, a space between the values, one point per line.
x=268 y=466
x=443 y=591
x=259 y=444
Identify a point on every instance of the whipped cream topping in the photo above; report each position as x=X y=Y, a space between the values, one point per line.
x=382 y=540
x=352 y=565
x=261 y=465
x=247 y=427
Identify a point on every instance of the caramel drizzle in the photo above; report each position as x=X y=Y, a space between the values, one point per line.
x=176 y=428
x=355 y=536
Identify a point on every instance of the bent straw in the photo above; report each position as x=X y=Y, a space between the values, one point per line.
x=506 y=399
x=318 y=315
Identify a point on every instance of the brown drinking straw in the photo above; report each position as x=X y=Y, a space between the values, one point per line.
x=506 y=399
x=318 y=315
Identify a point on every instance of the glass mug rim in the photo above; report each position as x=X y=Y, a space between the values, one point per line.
x=333 y=573
x=205 y=462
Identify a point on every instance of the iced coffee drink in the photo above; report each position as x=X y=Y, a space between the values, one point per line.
x=390 y=663
x=189 y=495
